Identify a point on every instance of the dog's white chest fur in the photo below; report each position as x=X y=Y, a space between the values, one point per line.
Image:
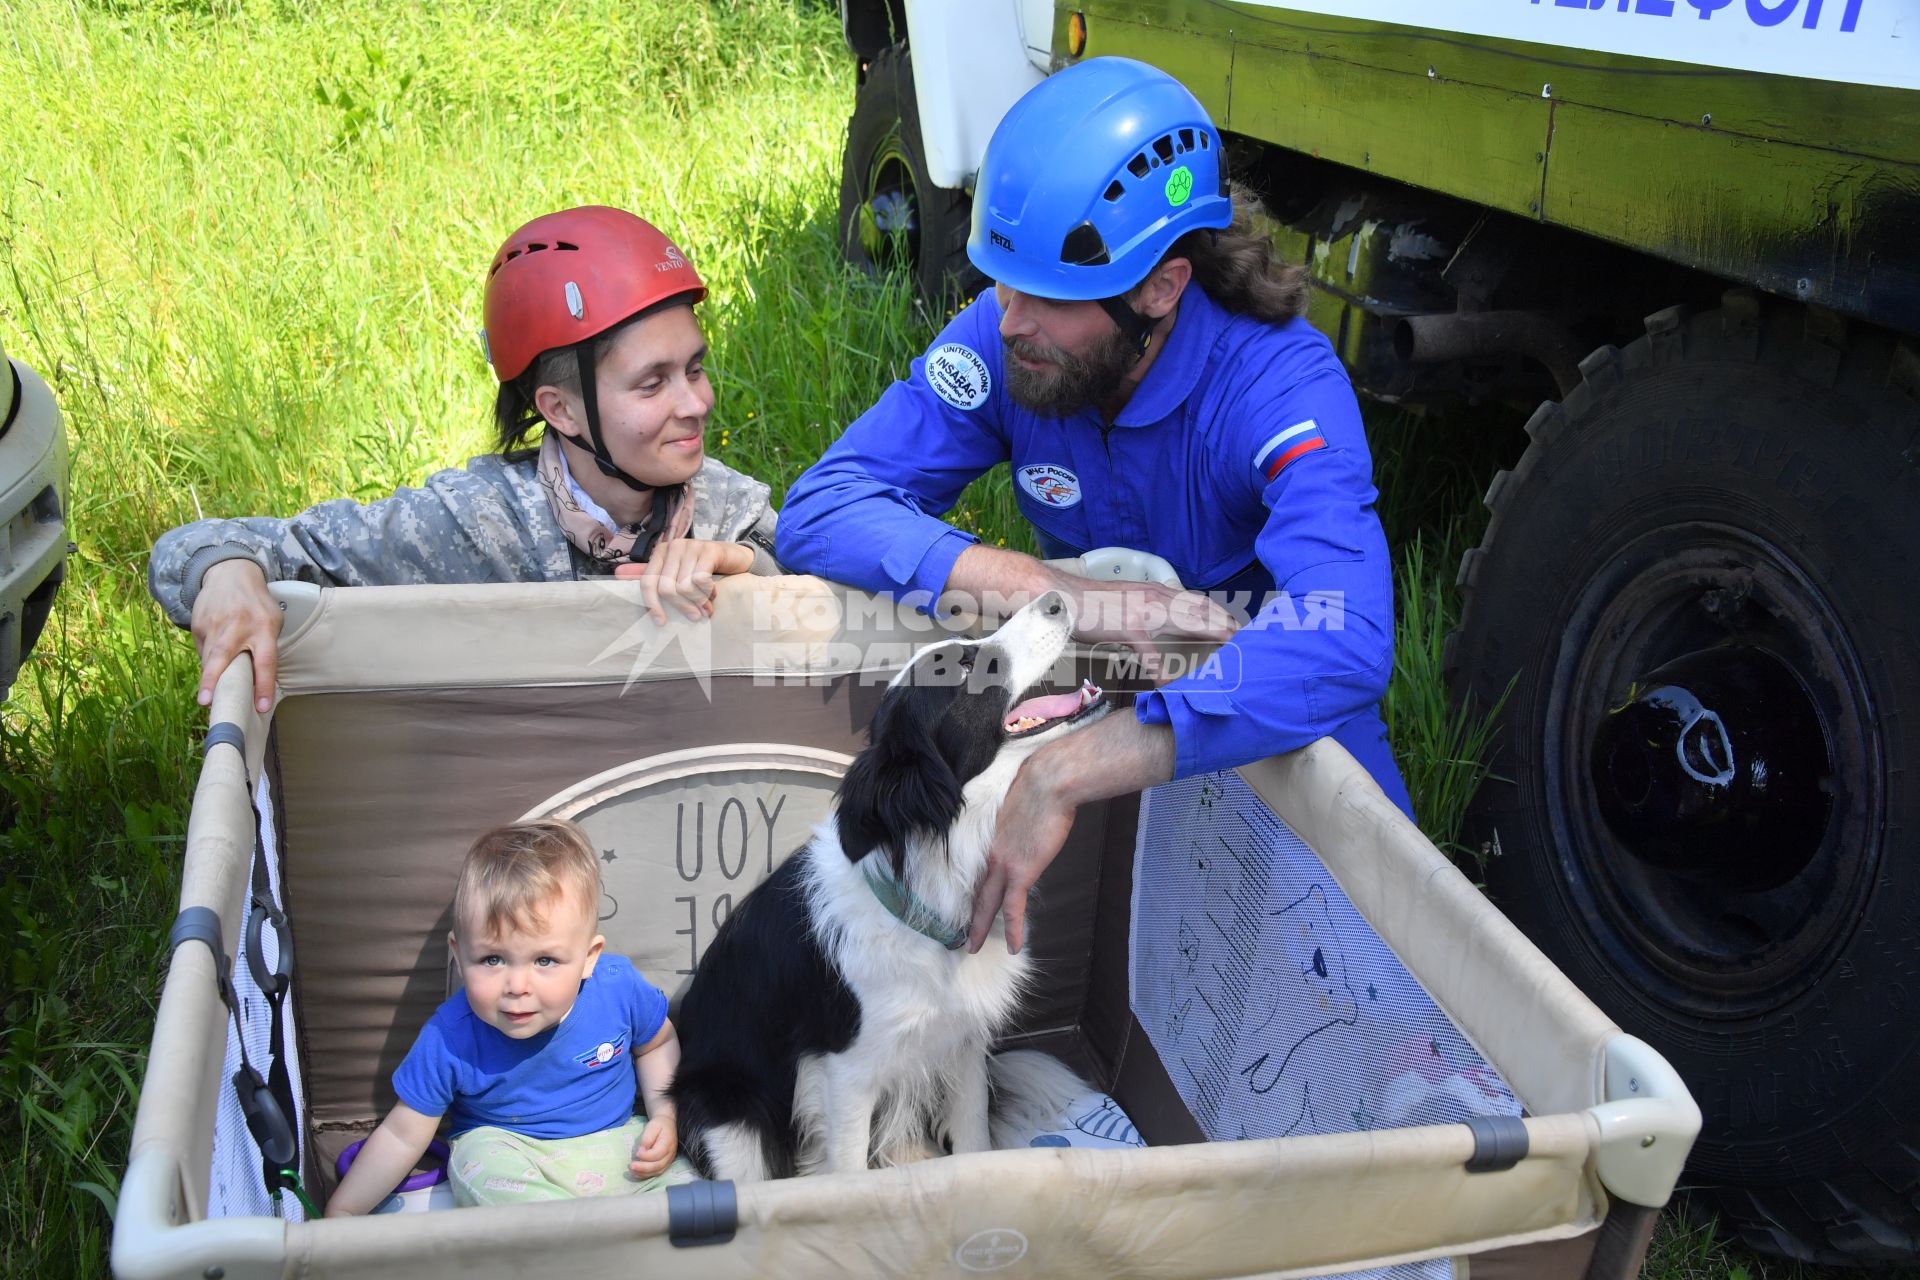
x=928 y=1017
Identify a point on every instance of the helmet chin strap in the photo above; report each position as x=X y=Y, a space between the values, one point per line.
x=590 y=402
x=1137 y=328
x=665 y=497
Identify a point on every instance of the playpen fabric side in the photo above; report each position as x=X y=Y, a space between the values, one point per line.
x=1278 y=1208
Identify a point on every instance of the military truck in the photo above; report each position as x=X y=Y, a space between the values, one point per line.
x=33 y=500
x=1687 y=230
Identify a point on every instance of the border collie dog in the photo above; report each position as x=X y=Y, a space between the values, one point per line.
x=837 y=1020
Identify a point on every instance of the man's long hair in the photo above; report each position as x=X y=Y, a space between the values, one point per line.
x=1237 y=268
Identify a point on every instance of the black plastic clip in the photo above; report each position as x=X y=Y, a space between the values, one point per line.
x=701 y=1213
x=197 y=924
x=1499 y=1142
x=225 y=733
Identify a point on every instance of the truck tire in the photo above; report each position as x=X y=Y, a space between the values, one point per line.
x=891 y=214
x=1697 y=595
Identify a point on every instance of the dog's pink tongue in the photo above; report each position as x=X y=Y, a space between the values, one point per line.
x=1051 y=707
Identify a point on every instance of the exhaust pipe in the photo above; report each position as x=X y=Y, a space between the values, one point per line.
x=1464 y=335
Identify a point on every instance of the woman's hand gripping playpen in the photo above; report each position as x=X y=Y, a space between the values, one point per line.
x=681 y=575
x=660 y=1140
x=234 y=614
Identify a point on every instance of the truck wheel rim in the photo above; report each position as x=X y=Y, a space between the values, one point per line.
x=890 y=213
x=1724 y=940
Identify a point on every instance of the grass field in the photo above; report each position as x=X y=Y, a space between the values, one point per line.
x=244 y=242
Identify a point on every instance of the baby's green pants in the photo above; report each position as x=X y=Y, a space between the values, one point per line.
x=498 y=1166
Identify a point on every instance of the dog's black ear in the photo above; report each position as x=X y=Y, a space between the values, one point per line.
x=900 y=786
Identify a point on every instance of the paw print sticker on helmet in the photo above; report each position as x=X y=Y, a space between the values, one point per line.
x=1179 y=186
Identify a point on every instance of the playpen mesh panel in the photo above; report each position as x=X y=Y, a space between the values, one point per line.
x=1273 y=1004
x=236 y=1189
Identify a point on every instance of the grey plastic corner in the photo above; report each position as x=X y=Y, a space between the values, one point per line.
x=1647 y=1124
x=152 y=1239
x=297 y=601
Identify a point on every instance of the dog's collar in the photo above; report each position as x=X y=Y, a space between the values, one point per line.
x=901 y=903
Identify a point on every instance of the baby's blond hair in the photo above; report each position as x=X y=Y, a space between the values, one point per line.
x=513 y=872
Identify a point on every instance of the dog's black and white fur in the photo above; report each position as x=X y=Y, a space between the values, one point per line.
x=821 y=1032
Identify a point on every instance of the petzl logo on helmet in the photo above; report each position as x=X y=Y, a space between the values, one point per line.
x=1000 y=240
x=1179 y=186
x=1055 y=486
x=959 y=376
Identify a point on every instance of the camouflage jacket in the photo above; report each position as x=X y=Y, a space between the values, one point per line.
x=487 y=523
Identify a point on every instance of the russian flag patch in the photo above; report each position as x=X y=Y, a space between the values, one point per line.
x=1296 y=441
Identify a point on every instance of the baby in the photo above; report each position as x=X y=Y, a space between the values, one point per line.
x=535 y=1058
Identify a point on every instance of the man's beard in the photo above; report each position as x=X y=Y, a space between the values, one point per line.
x=1075 y=382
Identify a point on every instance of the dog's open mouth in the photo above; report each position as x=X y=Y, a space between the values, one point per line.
x=1037 y=715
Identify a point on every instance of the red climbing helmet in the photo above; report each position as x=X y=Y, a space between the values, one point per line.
x=567 y=276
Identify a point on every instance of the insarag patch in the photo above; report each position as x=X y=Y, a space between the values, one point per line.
x=958 y=375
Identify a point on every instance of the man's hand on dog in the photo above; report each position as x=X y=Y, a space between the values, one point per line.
x=1033 y=824
x=1113 y=757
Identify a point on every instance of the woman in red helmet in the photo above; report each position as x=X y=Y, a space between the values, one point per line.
x=602 y=415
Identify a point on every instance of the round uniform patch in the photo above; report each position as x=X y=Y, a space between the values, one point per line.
x=1055 y=486
x=959 y=376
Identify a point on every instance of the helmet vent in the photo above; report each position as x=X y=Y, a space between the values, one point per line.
x=562 y=244
x=1138 y=166
x=1163 y=147
x=1204 y=144
x=1115 y=190
x=535 y=248
x=1186 y=139
x=1084 y=247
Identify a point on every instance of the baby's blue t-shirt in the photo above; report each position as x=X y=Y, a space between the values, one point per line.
x=568 y=1081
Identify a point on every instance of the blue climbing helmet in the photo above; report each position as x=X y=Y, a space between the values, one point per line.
x=1091 y=177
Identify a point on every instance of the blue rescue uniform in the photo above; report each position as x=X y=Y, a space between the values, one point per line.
x=1240 y=459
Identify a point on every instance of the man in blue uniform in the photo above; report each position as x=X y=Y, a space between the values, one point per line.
x=1142 y=364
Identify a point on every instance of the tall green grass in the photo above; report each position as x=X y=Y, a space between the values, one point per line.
x=244 y=240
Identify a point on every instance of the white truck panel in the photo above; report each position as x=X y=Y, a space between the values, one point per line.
x=970 y=64
x=1036 y=27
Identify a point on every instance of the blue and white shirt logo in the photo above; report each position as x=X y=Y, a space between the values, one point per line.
x=608 y=1051
x=958 y=375
x=1055 y=486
